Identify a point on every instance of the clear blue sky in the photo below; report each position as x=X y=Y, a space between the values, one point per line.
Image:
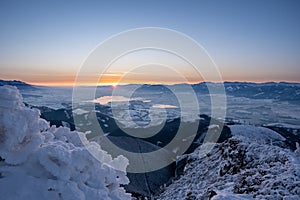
x=46 y=41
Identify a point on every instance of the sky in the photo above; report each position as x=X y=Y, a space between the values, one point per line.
x=46 y=42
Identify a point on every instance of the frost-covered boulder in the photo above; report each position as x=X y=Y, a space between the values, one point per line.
x=19 y=127
x=43 y=162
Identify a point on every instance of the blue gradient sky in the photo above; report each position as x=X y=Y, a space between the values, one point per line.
x=45 y=42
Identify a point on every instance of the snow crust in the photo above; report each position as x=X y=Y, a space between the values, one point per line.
x=42 y=162
x=246 y=166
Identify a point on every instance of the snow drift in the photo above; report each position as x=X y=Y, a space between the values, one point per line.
x=42 y=162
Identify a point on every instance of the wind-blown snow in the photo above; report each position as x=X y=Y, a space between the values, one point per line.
x=42 y=162
x=247 y=166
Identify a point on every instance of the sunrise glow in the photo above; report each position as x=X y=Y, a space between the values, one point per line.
x=48 y=50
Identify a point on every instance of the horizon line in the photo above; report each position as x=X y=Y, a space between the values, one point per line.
x=72 y=84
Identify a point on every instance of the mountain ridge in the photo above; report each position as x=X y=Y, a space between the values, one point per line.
x=20 y=82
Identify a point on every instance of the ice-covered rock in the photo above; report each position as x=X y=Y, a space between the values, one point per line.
x=246 y=166
x=43 y=162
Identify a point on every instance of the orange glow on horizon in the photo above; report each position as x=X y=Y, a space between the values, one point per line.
x=51 y=83
x=116 y=79
x=115 y=84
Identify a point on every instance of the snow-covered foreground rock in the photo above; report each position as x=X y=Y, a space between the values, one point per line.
x=42 y=162
x=250 y=165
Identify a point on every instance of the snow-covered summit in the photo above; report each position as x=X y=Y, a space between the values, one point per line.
x=247 y=166
x=260 y=135
x=42 y=162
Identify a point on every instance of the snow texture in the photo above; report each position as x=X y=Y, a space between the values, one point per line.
x=247 y=166
x=42 y=162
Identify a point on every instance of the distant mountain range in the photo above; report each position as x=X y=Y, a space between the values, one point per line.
x=18 y=84
x=280 y=91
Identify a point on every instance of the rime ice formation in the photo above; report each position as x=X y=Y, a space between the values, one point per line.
x=251 y=164
x=42 y=162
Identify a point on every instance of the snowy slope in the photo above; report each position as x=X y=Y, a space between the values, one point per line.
x=260 y=135
x=247 y=166
x=42 y=162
